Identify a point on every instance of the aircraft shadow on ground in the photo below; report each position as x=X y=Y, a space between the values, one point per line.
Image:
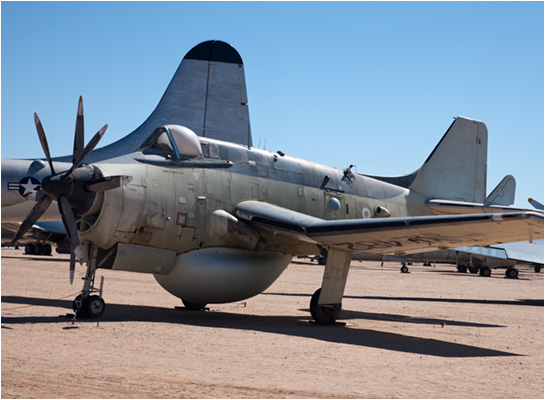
x=282 y=325
x=27 y=257
x=519 y=302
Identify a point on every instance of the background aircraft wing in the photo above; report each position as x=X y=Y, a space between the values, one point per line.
x=44 y=230
x=395 y=235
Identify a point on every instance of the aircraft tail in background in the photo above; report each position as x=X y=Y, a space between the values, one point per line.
x=504 y=193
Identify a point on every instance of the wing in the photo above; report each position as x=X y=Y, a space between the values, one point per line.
x=49 y=230
x=394 y=236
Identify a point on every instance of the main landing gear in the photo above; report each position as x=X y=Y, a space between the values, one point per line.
x=38 y=249
x=326 y=302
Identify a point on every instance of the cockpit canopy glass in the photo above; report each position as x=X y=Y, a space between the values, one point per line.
x=172 y=141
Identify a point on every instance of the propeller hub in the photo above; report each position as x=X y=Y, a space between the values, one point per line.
x=72 y=187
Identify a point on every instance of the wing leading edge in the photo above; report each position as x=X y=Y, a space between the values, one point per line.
x=395 y=236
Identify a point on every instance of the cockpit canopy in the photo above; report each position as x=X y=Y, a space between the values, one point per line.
x=173 y=141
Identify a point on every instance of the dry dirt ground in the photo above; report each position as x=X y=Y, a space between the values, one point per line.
x=432 y=333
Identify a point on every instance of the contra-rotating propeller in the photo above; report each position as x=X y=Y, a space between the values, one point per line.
x=73 y=190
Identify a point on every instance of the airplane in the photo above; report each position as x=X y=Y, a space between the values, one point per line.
x=207 y=94
x=483 y=259
x=218 y=222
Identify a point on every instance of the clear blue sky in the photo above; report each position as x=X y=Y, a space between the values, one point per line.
x=364 y=83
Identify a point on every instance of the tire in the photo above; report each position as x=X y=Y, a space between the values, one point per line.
x=512 y=273
x=462 y=269
x=95 y=306
x=29 y=248
x=473 y=270
x=46 y=249
x=323 y=315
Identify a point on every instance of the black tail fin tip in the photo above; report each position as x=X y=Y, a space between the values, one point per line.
x=214 y=50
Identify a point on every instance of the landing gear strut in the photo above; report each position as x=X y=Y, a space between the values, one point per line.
x=326 y=302
x=87 y=304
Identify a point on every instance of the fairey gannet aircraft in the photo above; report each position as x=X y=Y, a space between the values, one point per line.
x=218 y=222
x=207 y=94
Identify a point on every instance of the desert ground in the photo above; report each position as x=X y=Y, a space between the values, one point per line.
x=432 y=333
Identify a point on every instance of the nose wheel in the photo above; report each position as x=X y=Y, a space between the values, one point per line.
x=91 y=307
x=87 y=304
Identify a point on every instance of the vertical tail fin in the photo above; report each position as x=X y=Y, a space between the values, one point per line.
x=504 y=193
x=207 y=94
x=456 y=168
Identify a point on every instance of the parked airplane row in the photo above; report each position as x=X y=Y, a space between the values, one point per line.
x=216 y=220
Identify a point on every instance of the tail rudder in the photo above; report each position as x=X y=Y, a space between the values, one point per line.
x=456 y=168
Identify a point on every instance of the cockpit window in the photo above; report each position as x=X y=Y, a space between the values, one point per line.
x=159 y=142
x=173 y=141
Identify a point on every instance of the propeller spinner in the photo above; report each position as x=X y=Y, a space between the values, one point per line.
x=73 y=190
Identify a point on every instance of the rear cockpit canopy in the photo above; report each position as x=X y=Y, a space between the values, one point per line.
x=173 y=141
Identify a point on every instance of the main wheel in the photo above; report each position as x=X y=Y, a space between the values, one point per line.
x=321 y=314
x=462 y=269
x=512 y=273
x=485 y=271
x=95 y=306
x=29 y=248
x=45 y=249
x=404 y=269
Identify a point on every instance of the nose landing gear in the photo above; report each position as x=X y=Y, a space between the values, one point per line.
x=87 y=304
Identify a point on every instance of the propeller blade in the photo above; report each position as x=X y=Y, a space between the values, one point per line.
x=70 y=225
x=43 y=141
x=79 y=140
x=88 y=149
x=108 y=183
x=39 y=208
x=72 y=267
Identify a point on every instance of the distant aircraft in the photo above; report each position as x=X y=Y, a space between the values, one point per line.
x=484 y=259
x=206 y=94
x=218 y=222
